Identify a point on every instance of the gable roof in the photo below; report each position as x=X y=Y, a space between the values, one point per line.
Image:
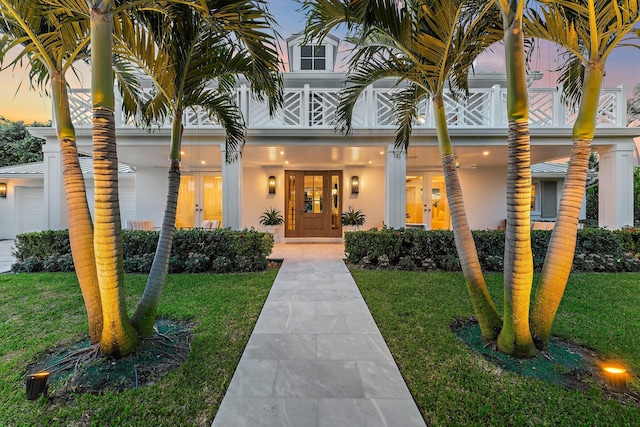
x=37 y=168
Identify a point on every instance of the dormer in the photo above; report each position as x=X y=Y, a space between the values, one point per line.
x=307 y=56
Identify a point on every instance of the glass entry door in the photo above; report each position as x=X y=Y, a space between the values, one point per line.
x=199 y=199
x=313 y=203
x=427 y=204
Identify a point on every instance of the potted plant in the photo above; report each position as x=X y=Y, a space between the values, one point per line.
x=352 y=220
x=272 y=219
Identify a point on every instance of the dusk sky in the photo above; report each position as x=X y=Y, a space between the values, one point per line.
x=28 y=105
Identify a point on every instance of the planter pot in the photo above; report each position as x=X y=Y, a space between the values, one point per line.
x=273 y=229
x=350 y=228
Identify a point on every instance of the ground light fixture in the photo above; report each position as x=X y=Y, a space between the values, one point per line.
x=355 y=184
x=36 y=385
x=3 y=189
x=272 y=184
x=615 y=376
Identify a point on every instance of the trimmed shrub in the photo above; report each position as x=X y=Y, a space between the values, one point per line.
x=41 y=244
x=410 y=249
x=194 y=251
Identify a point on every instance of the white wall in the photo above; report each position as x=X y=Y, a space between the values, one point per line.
x=151 y=194
x=126 y=196
x=485 y=196
x=371 y=197
x=255 y=194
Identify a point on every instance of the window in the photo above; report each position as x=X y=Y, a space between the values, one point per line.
x=313 y=57
x=533 y=197
x=549 y=199
x=544 y=198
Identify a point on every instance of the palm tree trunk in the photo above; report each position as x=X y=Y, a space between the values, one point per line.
x=80 y=223
x=118 y=336
x=145 y=315
x=486 y=312
x=515 y=336
x=561 y=250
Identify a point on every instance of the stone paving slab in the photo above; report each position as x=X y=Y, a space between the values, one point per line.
x=316 y=358
x=6 y=259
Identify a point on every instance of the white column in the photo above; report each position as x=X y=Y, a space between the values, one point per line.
x=615 y=203
x=231 y=192
x=395 y=193
x=55 y=205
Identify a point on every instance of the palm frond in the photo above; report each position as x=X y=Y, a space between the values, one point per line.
x=405 y=106
x=571 y=78
x=223 y=106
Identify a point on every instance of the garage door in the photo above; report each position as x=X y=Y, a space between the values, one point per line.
x=30 y=209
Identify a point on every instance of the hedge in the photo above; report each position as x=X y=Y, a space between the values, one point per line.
x=194 y=251
x=597 y=249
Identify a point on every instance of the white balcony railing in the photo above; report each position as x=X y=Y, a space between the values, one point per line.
x=315 y=108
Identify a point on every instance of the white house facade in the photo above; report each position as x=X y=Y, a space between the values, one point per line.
x=298 y=163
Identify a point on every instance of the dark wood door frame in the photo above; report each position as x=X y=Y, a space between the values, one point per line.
x=313 y=203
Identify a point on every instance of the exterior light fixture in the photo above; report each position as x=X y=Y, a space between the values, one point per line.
x=615 y=377
x=355 y=184
x=36 y=385
x=272 y=184
x=3 y=189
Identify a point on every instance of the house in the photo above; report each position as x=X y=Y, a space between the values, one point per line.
x=299 y=164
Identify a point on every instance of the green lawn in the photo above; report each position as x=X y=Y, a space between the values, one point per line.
x=42 y=311
x=414 y=311
x=452 y=386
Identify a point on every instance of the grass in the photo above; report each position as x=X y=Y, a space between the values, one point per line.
x=452 y=386
x=41 y=311
x=414 y=311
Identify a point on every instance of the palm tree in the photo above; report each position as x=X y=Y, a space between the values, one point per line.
x=515 y=337
x=53 y=43
x=589 y=30
x=118 y=336
x=430 y=45
x=184 y=57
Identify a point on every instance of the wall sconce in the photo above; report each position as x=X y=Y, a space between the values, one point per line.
x=272 y=184
x=355 y=185
x=3 y=189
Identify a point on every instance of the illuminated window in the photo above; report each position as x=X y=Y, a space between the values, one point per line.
x=533 y=197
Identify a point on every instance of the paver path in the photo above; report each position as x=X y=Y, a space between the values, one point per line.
x=316 y=358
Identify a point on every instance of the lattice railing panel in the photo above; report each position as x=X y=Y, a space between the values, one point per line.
x=607 y=110
x=358 y=116
x=540 y=108
x=384 y=108
x=471 y=111
x=199 y=117
x=292 y=109
x=317 y=108
x=289 y=115
x=80 y=107
x=322 y=108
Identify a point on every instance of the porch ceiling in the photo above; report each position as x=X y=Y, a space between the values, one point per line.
x=308 y=156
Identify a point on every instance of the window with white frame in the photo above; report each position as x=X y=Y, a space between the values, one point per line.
x=313 y=57
x=544 y=198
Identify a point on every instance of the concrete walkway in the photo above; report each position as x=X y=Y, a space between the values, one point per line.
x=6 y=259
x=316 y=357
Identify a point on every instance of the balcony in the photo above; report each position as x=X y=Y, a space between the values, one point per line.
x=315 y=108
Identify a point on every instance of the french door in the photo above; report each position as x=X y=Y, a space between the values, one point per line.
x=313 y=203
x=199 y=199
x=427 y=203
